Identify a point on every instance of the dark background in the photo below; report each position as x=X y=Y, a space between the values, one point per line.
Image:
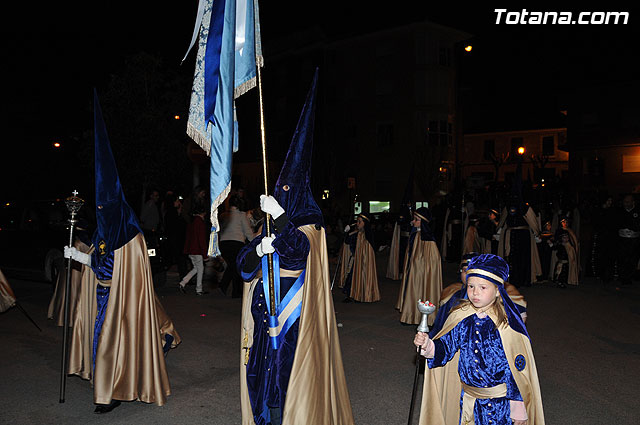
x=54 y=54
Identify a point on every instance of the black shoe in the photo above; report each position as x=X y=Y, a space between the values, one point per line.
x=202 y=293
x=182 y=289
x=347 y=300
x=106 y=408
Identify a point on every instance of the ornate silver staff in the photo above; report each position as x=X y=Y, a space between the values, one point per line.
x=426 y=308
x=73 y=203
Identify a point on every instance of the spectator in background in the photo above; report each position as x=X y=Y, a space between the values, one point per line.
x=197 y=200
x=236 y=231
x=628 y=241
x=175 y=230
x=195 y=246
x=149 y=215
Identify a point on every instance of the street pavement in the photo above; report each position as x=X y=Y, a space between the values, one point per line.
x=586 y=341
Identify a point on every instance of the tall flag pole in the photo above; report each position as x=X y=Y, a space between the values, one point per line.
x=229 y=53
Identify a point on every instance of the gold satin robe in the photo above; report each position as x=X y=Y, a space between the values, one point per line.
x=421 y=280
x=473 y=242
x=442 y=387
x=317 y=393
x=364 y=280
x=346 y=262
x=573 y=254
x=130 y=363
x=7 y=297
x=393 y=268
x=56 y=305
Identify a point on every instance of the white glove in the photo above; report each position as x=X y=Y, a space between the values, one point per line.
x=269 y=205
x=80 y=257
x=496 y=237
x=347 y=228
x=266 y=246
x=538 y=239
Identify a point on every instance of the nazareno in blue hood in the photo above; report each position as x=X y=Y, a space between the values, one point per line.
x=293 y=189
x=116 y=222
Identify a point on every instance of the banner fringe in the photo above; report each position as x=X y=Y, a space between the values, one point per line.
x=213 y=250
x=244 y=87
x=201 y=139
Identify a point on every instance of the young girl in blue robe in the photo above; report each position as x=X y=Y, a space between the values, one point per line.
x=484 y=336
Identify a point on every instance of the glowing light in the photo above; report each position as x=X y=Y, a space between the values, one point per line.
x=7 y=204
x=176 y=117
x=468 y=48
x=56 y=145
x=521 y=150
x=203 y=315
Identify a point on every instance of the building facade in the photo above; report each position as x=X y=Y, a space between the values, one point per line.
x=493 y=156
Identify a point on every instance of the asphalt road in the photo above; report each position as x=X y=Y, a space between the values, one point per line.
x=586 y=341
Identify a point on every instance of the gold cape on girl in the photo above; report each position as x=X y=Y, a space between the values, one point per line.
x=442 y=386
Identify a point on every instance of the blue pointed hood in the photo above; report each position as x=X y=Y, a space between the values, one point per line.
x=116 y=223
x=293 y=189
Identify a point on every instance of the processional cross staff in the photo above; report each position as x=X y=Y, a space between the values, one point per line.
x=73 y=204
x=426 y=308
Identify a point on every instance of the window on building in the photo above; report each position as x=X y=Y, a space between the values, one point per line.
x=489 y=151
x=384 y=134
x=422 y=204
x=440 y=133
x=378 y=206
x=631 y=163
x=444 y=57
x=548 y=146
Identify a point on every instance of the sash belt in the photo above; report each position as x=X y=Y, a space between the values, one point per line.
x=473 y=393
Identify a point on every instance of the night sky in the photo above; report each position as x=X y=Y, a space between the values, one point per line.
x=54 y=54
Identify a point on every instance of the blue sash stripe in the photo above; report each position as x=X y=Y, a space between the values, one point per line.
x=274 y=319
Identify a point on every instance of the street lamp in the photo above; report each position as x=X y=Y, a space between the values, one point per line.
x=56 y=145
x=176 y=117
x=521 y=150
x=468 y=48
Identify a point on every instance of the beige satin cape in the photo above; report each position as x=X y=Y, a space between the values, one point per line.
x=573 y=252
x=393 y=268
x=7 y=297
x=422 y=280
x=364 y=281
x=130 y=364
x=504 y=246
x=473 y=242
x=442 y=388
x=56 y=305
x=317 y=393
x=346 y=262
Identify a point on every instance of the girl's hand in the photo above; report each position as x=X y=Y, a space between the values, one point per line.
x=421 y=340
